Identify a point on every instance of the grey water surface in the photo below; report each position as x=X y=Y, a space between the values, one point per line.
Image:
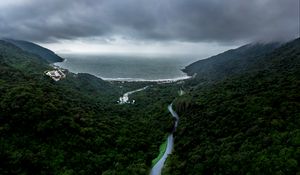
x=128 y=67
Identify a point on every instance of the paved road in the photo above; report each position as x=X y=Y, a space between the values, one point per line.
x=156 y=170
x=125 y=98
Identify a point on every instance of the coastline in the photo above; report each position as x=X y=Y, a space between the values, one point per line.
x=121 y=79
x=145 y=80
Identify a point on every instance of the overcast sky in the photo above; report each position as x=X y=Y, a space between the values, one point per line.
x=141 y=26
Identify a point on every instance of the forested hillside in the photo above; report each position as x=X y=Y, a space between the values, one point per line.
x=243 y=118
x=229 y=63
x=73 y=126
x=33 y=48
x=244 y=124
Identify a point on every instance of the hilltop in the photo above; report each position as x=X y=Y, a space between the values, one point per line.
x=229 y=63
x=247 y=123
x=33 y=48
x=75 y=125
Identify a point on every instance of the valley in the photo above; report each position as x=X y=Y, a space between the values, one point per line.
x=242 y=121
x=169 y=144
x=149 y=87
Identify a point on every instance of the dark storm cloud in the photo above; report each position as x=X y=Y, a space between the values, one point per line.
x=158 y=20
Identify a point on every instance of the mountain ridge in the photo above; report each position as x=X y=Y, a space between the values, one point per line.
x=34 y=48
x=72 y=126
x=230 y=62
x=243 y=124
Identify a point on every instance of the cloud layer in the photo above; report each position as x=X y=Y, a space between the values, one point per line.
x=150 y=20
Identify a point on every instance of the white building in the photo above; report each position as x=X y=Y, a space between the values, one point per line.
x=56 y=75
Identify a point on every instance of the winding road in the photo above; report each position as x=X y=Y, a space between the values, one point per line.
x=156 y=170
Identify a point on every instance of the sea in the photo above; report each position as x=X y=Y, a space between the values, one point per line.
x=126 y=67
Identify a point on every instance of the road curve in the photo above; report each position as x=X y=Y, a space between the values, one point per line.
x=156 y=169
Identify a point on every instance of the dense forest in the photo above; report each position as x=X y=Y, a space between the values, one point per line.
x=244 y=123
x=229 y=63
x=38 y=50
x=240 y=114
x=74 y=126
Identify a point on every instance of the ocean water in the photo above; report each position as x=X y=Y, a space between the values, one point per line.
x=128 y=67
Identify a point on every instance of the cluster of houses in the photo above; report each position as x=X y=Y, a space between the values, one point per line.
x=56 y=74
x=125 y=100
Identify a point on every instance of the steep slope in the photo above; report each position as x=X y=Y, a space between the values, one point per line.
x=15 y=57
x=44 y=53
x=248 y=124
x=32 y=65
x=69 y=126
x=229 y=63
